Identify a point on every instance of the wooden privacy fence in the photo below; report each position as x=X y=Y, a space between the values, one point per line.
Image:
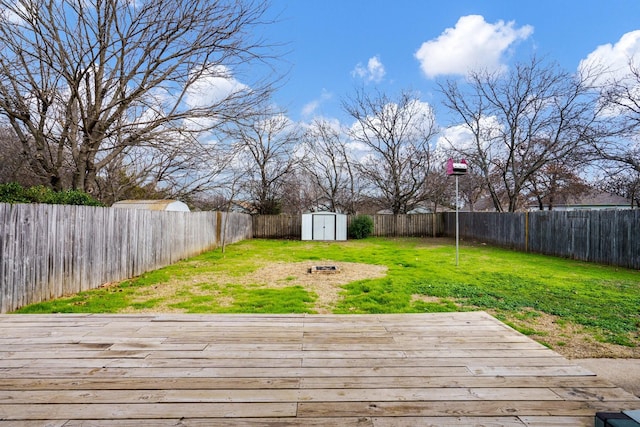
x=414 y=225
x=277 y=226
x=606 y=236
x=47 y=251
x=290 y=226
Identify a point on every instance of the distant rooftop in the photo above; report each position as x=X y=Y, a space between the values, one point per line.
x=592 y=199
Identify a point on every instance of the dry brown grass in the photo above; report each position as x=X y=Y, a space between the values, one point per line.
x=327 y=287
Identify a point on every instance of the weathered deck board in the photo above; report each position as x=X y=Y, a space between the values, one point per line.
x=456 y=369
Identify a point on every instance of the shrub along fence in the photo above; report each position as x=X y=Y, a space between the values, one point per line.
x=47 y=251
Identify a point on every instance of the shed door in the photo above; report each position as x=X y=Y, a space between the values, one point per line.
x=324 y=227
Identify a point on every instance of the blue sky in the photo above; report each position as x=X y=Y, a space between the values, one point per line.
x=336 y=46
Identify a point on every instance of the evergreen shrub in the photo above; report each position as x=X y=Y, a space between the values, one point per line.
x=15 y=193
x=361 y=227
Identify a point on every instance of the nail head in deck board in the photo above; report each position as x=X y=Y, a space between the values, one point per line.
x=369 y=370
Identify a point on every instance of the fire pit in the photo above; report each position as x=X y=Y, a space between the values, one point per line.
x=324 y=269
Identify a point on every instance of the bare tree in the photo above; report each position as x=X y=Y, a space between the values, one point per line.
x=519 y=122
x=267 y=156
x=177 y=169
x=295 y=195
x=472 y=188
x=230 y=191
x=620 y=115
x=438 y=188
x=396 y=134
x=14 y=162
x=331 y=168
x=555 y=182
x=624 y=182
x=83 y=81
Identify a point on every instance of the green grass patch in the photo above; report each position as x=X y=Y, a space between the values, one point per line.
x=422 y=277
x=292 y=299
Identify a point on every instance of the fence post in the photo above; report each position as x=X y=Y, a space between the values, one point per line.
x=526 y=231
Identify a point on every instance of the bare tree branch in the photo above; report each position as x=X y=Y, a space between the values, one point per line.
x=83 y=81
x=331 y=168
x=266 y=148
x=521 y=121
x=620 y=118
x=397 y=134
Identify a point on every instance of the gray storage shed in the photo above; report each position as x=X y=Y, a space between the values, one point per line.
x=324 y=226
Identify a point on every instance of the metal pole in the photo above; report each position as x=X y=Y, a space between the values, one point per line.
x=457 y=226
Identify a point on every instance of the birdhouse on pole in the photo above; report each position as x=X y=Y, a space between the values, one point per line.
x=457 y=168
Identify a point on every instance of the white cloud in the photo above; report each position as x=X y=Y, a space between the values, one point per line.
x=213 y=87
x=373 y=72
x=612 y=63
x=460 y=138
x=414 y=118
x=310 y=108
x=471 y=44
x=613 y=59
x=210 y=89
x=14 y=14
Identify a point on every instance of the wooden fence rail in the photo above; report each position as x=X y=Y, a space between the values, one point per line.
x=47 y=251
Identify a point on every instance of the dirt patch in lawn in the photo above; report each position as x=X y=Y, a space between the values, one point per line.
x=327 y=287
x=569 y=339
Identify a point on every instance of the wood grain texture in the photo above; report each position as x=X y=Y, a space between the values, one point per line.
x=455 y=369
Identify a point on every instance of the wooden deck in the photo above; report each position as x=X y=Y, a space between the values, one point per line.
x=458 y=369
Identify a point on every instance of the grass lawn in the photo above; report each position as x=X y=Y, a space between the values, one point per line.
x=579 y=309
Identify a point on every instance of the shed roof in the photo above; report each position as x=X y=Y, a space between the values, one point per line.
x=324 y=213
x=153 y=205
